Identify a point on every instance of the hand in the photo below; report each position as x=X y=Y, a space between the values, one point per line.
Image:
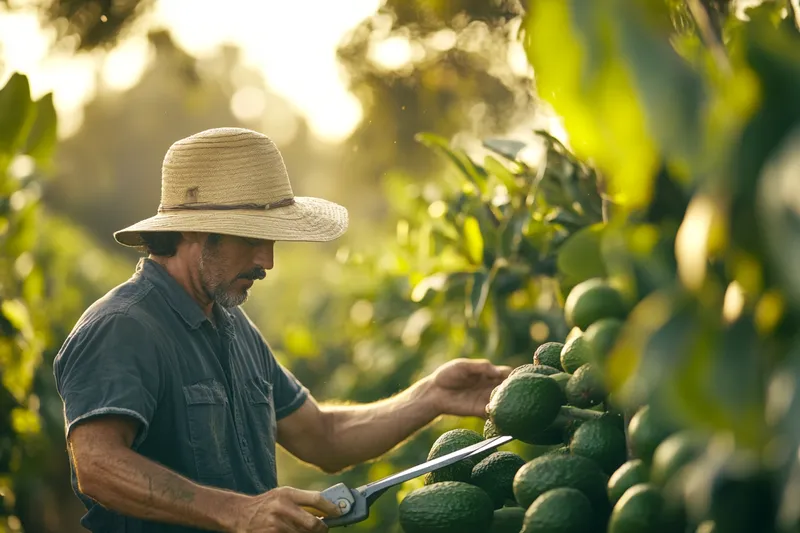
x=284 y=510
x=462 y=387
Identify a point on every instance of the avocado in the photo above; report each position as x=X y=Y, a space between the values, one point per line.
x=602 y=335
x=552 y=471
x=585 y=387
x=629 y=474
x=525 y=405
x=675 y=452
x=446 y=507
x=549 y=354
x=561 y=510
x=601 y=441
x=495 y=475
x=646 y=431
x=508 y=520
x=592 y=300
x=639 y=510
x=449 y=442
x=575 y=353
x=543 y=370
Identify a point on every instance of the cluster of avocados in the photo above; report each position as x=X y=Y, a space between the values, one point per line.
x=599 y=473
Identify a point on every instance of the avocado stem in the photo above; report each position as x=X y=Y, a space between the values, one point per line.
x=569 y=413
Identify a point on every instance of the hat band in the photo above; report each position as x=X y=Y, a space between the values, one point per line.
x=227 y=207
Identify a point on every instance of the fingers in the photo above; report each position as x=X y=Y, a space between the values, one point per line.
x=301 y=520
x=487 y=368
x=313 y=500
x=504 y=371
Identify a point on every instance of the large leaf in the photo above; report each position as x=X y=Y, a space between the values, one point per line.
x=16 y=115
x=572 y=47
x=670 y=91
x=779 y=209
x=470 y=171
x=41 y=141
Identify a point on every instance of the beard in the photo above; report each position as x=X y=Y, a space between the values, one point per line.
x=217 y=288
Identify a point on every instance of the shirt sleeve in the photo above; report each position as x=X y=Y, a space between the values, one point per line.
x=287 y=391
x=109 y=366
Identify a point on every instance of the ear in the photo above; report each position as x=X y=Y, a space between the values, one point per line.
x=194 y=237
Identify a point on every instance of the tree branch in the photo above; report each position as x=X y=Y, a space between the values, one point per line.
x=710 y=32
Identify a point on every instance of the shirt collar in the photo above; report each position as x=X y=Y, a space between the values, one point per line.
x=177 y=297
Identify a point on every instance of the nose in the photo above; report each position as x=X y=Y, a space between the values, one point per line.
x=265 y=255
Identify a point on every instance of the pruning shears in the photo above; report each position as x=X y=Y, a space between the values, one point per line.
x=355 y=503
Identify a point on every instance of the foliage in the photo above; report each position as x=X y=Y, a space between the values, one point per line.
x=49 y=271
x=86 y=24
x=684 y=116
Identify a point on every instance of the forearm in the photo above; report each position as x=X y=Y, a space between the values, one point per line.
x=133 y=485
x=359 y=433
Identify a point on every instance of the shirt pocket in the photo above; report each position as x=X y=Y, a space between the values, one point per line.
x=210 y=428
x=262 y=432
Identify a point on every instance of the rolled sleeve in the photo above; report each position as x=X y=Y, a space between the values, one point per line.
x=109 y=366
x=287 y=391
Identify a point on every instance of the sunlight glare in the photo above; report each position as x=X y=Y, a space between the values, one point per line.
x=392 y=53
x=443 y=40
x=125 y=64
x=248 y=103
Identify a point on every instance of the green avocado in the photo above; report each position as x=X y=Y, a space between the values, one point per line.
x=525 y=405
x=449 y=442
x=495 y=475
x=446 y=507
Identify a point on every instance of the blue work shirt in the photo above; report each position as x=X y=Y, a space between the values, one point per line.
x=208 y=397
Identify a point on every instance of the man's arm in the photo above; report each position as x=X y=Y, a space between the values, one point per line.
x=336 y=437
x=117 y=477
x=120 y=479
x=353 y=434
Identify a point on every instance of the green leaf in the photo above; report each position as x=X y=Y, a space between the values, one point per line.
x=470 y=171
x=581 y=256
x=16 y=115
x=512 y=233
x=572 y=46
x=777 y=210
x=18 y=316
x=507 y=148
x=479 y=294
x=502 y=173
x=473 y=240
x=670 y=91
x=41 y=141
x=25 y=422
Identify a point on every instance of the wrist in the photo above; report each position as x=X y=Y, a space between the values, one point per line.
x=426 y=394
x=230 y=512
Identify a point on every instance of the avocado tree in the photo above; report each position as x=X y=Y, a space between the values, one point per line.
x=682 y=122
x=49 y=271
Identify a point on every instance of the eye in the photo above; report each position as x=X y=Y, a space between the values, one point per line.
x=251 y=242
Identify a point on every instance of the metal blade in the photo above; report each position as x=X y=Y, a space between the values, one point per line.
x=429 y=466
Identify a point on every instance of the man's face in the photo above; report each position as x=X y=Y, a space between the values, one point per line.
x=229 y=265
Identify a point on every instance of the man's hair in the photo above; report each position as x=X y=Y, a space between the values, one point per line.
x=161 y=243
x=165 y=243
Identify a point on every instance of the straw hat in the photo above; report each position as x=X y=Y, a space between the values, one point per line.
x=233 y=181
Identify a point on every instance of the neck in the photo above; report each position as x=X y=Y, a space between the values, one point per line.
x=187 y=278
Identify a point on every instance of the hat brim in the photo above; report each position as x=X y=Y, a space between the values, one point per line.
x=307 y=220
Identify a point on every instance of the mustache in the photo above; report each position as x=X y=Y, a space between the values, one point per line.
x=257 y=273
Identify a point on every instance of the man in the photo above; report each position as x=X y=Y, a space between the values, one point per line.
x=173 y=401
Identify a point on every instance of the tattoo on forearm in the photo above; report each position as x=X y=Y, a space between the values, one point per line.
x=176 y=493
